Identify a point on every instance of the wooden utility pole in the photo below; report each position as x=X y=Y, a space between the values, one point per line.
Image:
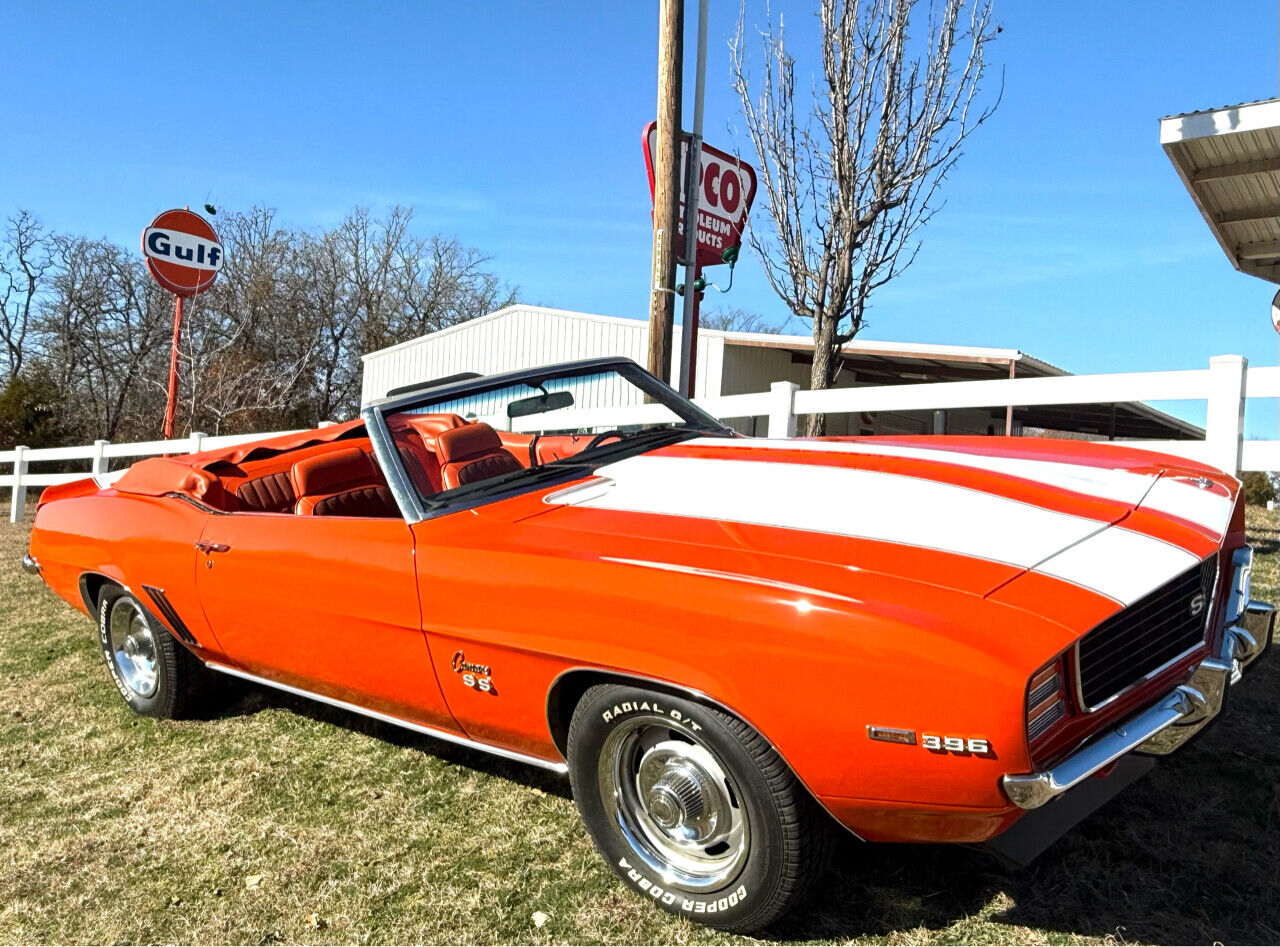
x=666 y=187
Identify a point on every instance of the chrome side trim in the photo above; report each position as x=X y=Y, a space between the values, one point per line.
x=444 y=735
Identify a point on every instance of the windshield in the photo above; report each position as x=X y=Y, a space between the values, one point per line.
x=474 y=440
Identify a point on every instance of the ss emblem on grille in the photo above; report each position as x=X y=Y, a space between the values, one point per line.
x=1197 y=604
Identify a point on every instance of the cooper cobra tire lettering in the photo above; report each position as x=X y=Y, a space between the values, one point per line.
x=691 y=905
x=105 y=643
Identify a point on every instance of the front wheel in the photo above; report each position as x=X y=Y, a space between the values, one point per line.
x=692 y=808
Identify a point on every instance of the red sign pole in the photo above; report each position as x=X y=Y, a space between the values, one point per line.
x=172 y=404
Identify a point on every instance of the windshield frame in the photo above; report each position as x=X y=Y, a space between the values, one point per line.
x=417 y=508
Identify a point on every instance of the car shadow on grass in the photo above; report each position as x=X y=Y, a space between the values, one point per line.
x=249 y=699
x=1188 y=854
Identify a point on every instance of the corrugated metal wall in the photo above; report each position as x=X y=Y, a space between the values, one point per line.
x=529 y=336
x=524 y=337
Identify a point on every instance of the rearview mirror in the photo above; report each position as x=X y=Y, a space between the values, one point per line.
x=538 y=404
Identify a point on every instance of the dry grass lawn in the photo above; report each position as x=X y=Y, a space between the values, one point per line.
x=285 y=821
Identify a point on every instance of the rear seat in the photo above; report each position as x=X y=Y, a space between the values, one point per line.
x=341 y=483
x=272 y=493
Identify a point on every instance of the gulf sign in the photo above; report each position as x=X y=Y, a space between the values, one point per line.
x=728 y=186
x=183 y=252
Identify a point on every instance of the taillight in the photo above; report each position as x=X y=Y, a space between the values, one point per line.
x=1046 y=700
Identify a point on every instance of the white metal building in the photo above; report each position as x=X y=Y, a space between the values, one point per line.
x=731 y=363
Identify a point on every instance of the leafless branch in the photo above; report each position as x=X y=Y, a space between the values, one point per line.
x=850 y=178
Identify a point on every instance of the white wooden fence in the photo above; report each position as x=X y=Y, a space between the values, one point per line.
x=1226 y=385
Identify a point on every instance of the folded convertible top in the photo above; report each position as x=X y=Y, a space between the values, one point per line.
x=189 y=473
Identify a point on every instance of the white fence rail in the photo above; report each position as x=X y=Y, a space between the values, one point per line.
x=98 y=454
x=1226 y=386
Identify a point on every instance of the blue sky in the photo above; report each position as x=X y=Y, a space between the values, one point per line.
x=516 y=127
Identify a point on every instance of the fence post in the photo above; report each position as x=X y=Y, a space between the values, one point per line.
x=99 y=465
x=197 y=439
x=782 y=415
x=1224 y=417
x=18 y=498
x=327 y=423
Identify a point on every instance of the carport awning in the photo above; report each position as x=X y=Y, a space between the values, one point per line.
x=898 y=363
x=1229 y=161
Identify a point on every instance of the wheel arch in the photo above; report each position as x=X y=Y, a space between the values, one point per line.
x=569 y=686
x=91 y=585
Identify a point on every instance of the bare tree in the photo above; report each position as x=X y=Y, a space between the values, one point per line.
x=734 y=319
x=24 y=260
x=247 y=343
x=850 y=179
x=276 y=342
x=104 y=331
x=372 y=283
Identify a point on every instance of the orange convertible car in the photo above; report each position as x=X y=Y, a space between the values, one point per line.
x=729 y=644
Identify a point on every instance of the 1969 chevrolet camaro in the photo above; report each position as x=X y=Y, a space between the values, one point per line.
x=729 y=644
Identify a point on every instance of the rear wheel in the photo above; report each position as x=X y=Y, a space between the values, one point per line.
x=692 y=808
x=154 y=674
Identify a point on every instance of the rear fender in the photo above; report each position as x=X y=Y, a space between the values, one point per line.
x=65 y=491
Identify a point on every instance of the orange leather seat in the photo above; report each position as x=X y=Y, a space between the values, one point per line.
x=415 y=437
x=341 y=483
x=552 y=447
x=270 y=493
x=471 y=453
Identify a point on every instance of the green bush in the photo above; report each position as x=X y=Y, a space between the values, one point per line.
x=28 y=413
x=1257 y=488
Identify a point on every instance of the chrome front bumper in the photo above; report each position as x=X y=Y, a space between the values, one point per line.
x=30 y=565
x=1177 y=716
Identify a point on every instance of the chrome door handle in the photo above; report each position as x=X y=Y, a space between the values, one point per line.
x=207 y=547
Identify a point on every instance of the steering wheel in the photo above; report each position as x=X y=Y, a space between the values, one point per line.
x=601 y=438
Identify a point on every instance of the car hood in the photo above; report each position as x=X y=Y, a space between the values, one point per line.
x=969 y=514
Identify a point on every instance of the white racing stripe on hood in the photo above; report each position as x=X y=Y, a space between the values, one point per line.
x=865 y=504
x=1104 y=482
x=1119 y=563
x=1178 y=498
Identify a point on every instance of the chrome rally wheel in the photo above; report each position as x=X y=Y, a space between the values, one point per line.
x=692 y=808
x=133 y=647
x=673 y=801
x=155 y=675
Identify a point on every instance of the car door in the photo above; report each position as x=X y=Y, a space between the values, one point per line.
x=328 y=604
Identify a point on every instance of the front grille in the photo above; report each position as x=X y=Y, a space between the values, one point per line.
x=1147 y=635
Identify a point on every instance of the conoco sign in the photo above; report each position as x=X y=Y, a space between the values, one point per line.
x=183 y=252
x=727 y=186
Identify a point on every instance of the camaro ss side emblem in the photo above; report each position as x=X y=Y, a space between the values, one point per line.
x=1197 y=604
x=477 y=676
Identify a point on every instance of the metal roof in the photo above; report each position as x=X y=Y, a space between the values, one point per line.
x=1229 y=162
